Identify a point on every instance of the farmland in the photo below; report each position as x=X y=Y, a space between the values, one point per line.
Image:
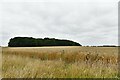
x=59 y=62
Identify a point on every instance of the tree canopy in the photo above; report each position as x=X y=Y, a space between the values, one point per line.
x=37 y=42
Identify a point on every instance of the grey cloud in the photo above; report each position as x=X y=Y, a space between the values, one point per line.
x=81 y=22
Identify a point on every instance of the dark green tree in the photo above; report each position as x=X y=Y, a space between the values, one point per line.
x=36 y=42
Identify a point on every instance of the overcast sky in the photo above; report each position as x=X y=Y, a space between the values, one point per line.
x=89 y=22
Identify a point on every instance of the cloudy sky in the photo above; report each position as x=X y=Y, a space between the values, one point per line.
x=89 y=22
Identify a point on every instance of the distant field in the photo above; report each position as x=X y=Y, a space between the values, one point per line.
x=59 y=62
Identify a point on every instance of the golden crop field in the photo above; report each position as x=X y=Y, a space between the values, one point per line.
x=59 y=62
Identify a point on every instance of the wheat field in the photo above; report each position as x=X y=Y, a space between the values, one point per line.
x=59 y=62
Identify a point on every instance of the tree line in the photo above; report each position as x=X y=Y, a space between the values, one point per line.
x=37 y=42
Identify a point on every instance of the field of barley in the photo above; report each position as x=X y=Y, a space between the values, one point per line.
x=59 y=62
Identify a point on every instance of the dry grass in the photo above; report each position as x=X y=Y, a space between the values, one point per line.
x=60 y=62
x=0 y=62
